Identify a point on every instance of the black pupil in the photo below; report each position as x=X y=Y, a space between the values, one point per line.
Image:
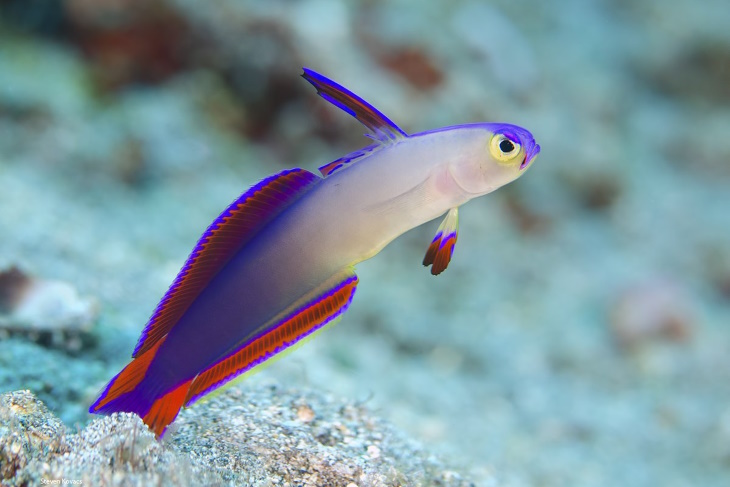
x=506 y=146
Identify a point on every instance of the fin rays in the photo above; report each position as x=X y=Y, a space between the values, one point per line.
x=166 y=408
x=312 y=316
x=126 y=380
x=223 y=238
x=383 y=129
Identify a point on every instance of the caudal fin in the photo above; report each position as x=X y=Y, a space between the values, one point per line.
x=129 y=392
x=165 y=409
x=117 y=395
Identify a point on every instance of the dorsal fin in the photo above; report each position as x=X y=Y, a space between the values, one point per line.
x=223 y=238
x=382 y=128
x=344 y=161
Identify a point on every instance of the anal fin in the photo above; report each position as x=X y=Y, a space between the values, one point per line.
x=318 y=309
x=441 y=249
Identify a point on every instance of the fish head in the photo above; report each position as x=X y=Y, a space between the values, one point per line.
x=512 y=146
x=503 y=153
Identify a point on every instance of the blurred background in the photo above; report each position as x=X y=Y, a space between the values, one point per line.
x=580 y=335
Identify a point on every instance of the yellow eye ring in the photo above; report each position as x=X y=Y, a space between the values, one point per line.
x=504 y=149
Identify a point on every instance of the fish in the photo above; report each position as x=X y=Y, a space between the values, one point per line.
x=278 y=264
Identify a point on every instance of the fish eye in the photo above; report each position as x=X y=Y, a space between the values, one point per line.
x=506 y=146
x=503 y=148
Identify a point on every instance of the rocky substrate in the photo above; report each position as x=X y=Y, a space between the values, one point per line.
x=260 y=437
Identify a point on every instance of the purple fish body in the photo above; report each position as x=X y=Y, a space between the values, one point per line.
x=278 y=263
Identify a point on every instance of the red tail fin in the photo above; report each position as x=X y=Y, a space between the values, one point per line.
x=165 y=409
x=125 y=381
x=130 y=392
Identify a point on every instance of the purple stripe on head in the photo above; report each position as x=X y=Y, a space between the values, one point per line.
x=514 y=133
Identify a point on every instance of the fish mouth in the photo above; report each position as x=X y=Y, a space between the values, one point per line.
x=530 y=156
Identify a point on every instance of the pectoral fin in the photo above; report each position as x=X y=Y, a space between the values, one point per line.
x=439 y=252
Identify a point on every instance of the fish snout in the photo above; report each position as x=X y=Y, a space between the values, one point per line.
x=531 y=153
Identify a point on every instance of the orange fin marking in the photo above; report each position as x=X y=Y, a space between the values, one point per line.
x=165 y=409
x=224 y=237
x=443 y=255
x=441 y=248
x=128 y=378
x=304 y=321
x=431 y=252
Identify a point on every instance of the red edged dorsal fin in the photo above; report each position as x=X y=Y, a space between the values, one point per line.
x=439 y=252
x=345 y=161
x=223 y=238
x=322 y=306
x=383 y=129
